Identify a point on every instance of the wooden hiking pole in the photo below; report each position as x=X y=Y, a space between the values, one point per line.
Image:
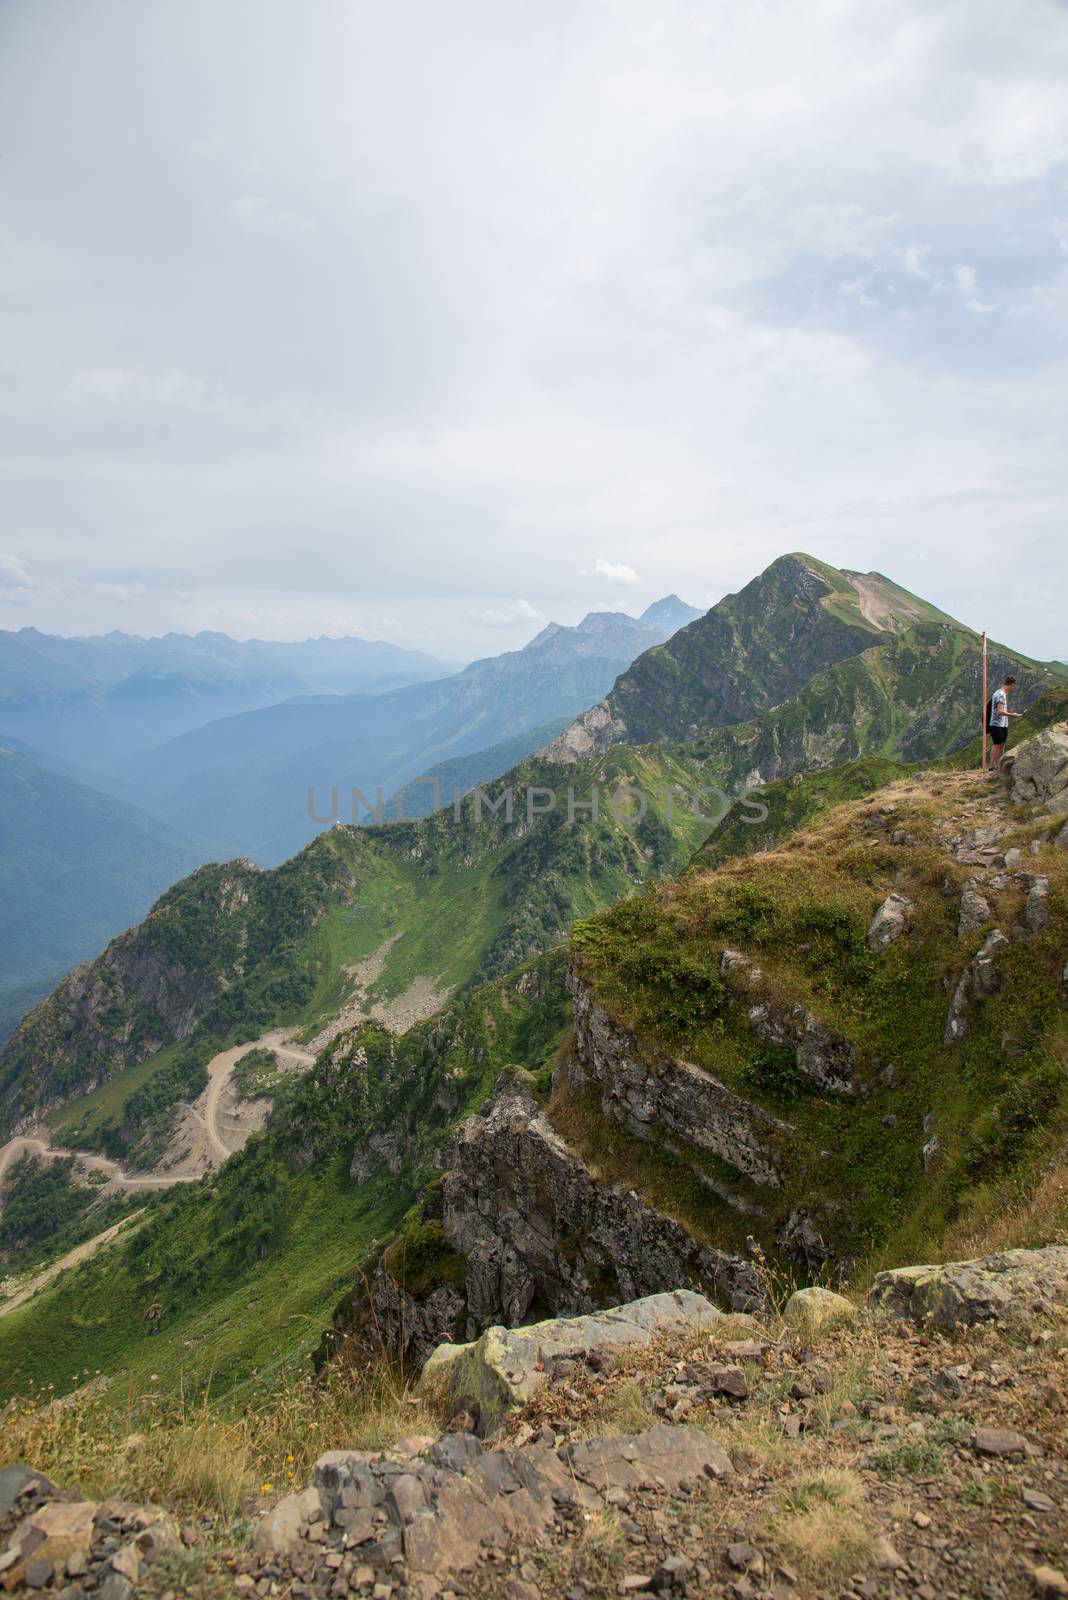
x=985 y=730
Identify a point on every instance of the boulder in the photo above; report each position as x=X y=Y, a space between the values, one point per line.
x=812 y=1311
x=16 y=1481
x=1040 y=771
x=504 y=1367
x=1012 y=1285
x=893 y=918
x=281 y=1530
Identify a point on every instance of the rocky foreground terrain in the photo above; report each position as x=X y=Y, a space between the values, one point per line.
x=917 y=1446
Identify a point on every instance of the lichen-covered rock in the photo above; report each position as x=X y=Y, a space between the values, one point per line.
x=654 y=1095
x=811 y=1311
x=1040 y=770
x=504 y=1367
x=1014 y=1284
x=893 y=918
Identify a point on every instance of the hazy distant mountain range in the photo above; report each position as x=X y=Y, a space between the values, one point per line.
x=94 y=700
x=95 y=823
x=241 y=783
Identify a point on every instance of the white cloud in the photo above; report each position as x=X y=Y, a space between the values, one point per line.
x=258 y=215
x=14 y=573
x=412 y=352
x=506 y=616
x=967 y=281
x=615 y=572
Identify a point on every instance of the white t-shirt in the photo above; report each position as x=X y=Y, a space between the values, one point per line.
x=999 y=709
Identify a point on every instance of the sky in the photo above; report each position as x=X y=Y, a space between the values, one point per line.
x=433 y=322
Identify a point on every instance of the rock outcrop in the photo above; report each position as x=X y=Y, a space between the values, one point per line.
x=820 y=1053
x=981 y=978
x=1040 y=770
x=661 y=1096
x=434 y=1514
x=1014 y=1285
x=537 y=1228
x=504 y=1367
x=893 y=918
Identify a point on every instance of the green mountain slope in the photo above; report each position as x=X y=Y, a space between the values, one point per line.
x=242 y=1271
x=806 y=650
x=76 y=866
x=232 y=949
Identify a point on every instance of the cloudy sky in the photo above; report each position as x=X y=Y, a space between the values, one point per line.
x=431 y=321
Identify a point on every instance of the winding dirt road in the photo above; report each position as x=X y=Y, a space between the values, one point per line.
x=205 y=1112
x=219 y=1073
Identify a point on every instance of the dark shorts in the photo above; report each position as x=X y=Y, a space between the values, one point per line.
x=999 y=735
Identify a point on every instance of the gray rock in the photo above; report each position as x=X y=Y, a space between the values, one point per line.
x=1036 y=906
x=974 y=909
x=1040 y=771
x=891 y=920
x=503 y=1368
x=998 y=1442
x=1010 y=1286
x=16 y=1480
x=981 y=978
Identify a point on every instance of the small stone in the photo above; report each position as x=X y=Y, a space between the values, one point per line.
x=739 y=1554
x=1035 y=1500
x=127 y=1563
x=884 y=1556
x=998 y=1442
x=363 y=1577
x=38 y=1572
x=382 y=1591
x=674 y=1569
x=617 y=1497
x=244 y=1582
x=922 y=1520
x=636 y=1580
x=1050 y=1584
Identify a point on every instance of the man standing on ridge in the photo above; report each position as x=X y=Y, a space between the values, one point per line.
x=999 y=722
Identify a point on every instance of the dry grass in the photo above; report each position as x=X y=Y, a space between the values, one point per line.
x=825 y=1527
x=1004 y=1216
x=190 y=1456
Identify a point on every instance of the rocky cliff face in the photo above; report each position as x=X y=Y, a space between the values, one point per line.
x=541 y=1234
x=655 y=1095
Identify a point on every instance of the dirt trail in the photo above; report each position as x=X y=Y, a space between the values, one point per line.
x=81 y=1252
x=207 y=1147
x=85 y=1162
x=220 y=1071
